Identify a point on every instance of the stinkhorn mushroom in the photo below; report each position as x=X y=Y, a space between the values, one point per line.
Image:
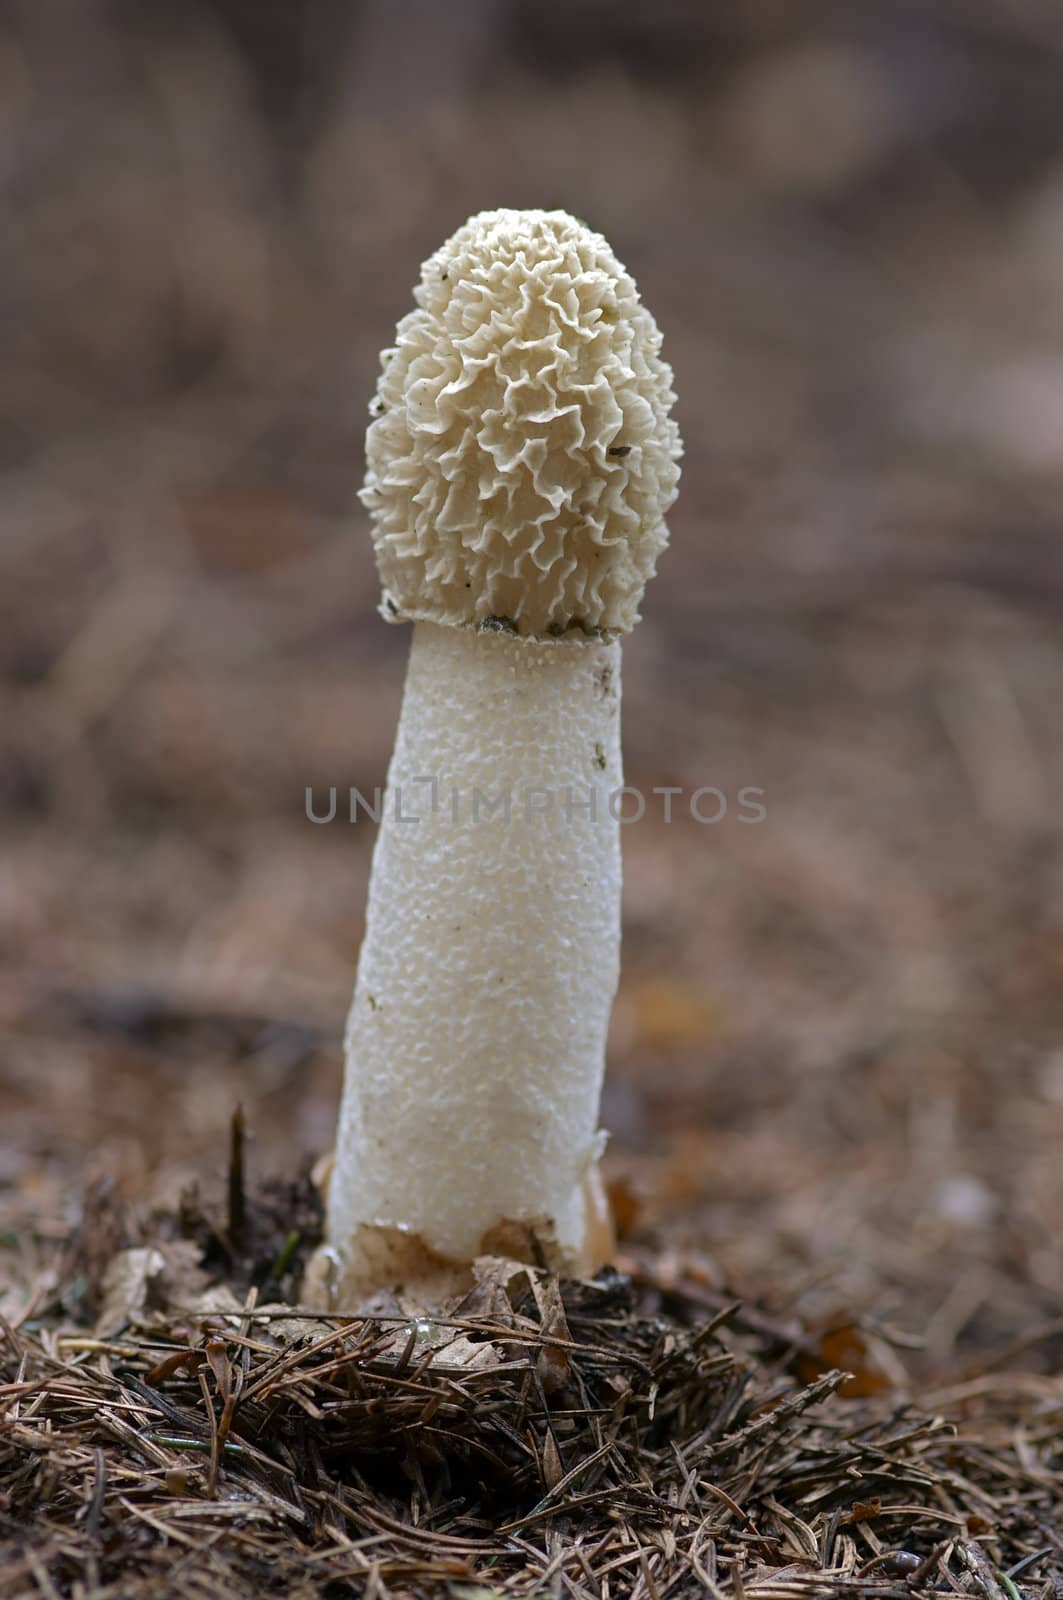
x=520 y=462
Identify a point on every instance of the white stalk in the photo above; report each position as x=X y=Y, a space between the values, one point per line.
x=476 y=1039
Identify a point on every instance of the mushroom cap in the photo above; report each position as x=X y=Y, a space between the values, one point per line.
x=521 y=456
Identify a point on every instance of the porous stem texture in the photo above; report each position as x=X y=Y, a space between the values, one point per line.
x=476 y=1039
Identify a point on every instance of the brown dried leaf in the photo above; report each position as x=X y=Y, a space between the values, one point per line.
x=553 y=1470
x=555 y=1368
x=127 y=1286
x=844 y=1348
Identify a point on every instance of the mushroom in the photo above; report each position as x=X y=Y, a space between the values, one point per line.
x=520 y=461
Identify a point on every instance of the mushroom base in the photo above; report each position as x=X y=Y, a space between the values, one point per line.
x=381 y=1261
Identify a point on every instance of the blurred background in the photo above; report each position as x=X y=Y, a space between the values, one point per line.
x=836 y=1074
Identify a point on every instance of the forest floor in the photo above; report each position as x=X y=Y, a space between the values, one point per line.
x=175 y=1425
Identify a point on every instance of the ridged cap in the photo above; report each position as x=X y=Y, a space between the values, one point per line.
x=521 y=456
